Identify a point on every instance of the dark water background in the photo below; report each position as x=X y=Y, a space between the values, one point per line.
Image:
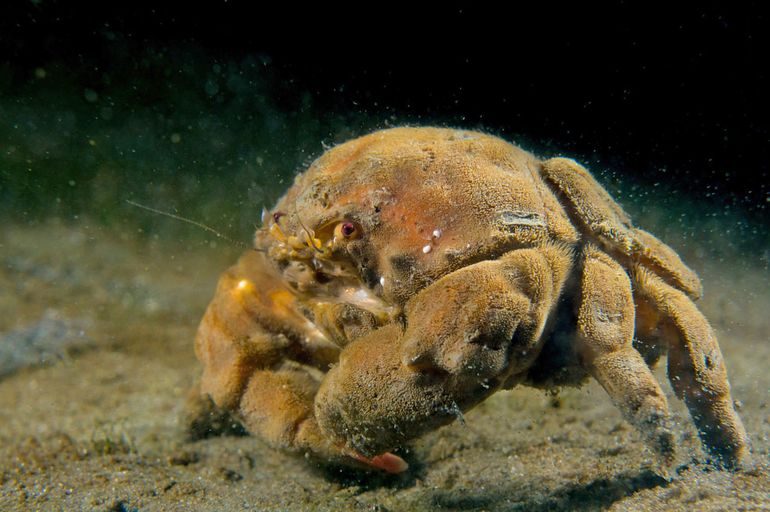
x=203 y=111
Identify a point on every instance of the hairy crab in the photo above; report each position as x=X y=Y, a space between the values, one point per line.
x=409 y=274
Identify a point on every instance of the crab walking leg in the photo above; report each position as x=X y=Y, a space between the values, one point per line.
x=248 y=341
x=696 y=369
x=605 y=333
x=593 y=209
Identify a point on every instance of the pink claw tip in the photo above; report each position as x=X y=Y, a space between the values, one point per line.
x=387 y=462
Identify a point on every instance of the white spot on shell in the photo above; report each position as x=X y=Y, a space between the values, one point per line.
x=426 y=249
x=382 y=281
x=522 y=218
x=437 y=233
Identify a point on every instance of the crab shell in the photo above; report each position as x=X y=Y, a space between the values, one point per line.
x=427 y=201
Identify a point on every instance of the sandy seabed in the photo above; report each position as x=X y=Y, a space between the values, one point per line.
x=100 y=328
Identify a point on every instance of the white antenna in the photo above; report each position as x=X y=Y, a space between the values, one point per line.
x=189 y=221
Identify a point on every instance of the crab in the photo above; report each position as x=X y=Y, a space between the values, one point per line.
x=409 y=274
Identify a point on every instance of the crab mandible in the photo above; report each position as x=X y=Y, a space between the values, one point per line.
x=409 y=274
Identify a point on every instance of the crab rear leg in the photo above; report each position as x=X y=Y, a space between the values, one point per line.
x=696 y=368
x=605 y=334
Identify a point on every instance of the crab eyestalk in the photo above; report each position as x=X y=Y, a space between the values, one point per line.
x=275 y=231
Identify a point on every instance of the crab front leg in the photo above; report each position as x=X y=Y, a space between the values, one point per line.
x=466 y=335
x=263 y=362
x=605 y=331
x=696 y=368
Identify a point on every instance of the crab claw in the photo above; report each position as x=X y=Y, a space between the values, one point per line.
x=371 y=403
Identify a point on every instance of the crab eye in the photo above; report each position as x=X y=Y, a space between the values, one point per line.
x=348 y=230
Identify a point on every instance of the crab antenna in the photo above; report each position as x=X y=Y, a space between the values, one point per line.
x=310 y=235
x=190 y=221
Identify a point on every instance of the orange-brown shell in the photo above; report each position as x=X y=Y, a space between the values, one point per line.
x=429 y=201
x=432 y=200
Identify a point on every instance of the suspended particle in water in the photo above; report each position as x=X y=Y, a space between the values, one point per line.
x=91 y=96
